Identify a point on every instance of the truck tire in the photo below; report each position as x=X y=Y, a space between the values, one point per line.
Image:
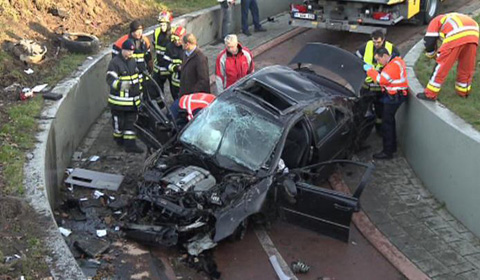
x=80 y=43
x=430 y=9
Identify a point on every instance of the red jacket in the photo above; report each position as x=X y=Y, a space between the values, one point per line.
x=393 y=77
x=231 y=68
x=454 y=29
x=195 y=101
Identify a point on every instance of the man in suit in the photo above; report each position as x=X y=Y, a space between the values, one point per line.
x=195 y=75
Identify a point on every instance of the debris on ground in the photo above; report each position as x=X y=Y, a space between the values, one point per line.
x=278 y=269
x=300 y=267
x=65 y=232
x=29 y=51
x=91 y=246
x=94 y=179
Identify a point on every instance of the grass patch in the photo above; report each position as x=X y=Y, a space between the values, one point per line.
x=18 y=136
x=182 y=7
x=467 y=109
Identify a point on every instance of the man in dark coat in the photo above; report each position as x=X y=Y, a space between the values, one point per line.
x=195 y=75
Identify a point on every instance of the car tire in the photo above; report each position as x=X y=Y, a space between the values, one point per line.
x=80 y=43
x=429 y=10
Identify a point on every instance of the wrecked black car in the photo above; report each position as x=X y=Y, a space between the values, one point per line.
x=257 y=149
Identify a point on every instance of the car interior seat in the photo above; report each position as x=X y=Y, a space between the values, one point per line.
x=296 y=146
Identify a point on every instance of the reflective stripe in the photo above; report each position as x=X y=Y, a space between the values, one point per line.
x=462 y=89
x=466 y=28
x=115 y=84
x=128 y=135
x=432 y=34
x=433 y=88
x=462 y=84
x=115 y=51
x=112 y=73
x=386 y=76
x=177 y=60
x=124 y=101
x=461 y=35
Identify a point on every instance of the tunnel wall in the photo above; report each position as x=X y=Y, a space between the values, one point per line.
x=443 y=150
x=64 y=123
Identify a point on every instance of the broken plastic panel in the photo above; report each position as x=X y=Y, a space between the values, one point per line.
x=93 y=179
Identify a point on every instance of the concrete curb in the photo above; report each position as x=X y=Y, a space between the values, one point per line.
x=378 y=240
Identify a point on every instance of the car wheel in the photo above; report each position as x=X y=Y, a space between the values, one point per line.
x=80 y=43
x=430 y=10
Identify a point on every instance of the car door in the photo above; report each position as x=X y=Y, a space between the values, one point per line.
x=320 y=209
x=331 y=130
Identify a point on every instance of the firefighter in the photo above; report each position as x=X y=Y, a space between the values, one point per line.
x=367 y=54
x=173 y=59
x=142 y=54
x=161 y=37
x=125 y=81
x=187 y=106
x=233 y=63
x=394 y=84
x=458 y=34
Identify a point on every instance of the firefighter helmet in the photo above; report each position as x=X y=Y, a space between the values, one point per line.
x=178 y=32
x=165 y=16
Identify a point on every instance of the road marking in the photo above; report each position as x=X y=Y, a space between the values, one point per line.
x=273 y=253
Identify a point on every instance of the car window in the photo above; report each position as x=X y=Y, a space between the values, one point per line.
x=323 y=122
x=234 y=132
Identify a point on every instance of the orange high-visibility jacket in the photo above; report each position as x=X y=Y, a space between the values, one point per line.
x=453 y=29
x=194 y=101
x=393 y=77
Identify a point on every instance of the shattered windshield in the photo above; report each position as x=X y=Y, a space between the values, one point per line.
x=234 y=132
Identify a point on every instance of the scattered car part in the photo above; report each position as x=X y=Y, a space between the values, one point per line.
x=278 y=270
x=80 y=42
x=158 y=235
x=197 y=245
x=29 y=51
x=94 y=179
x=300 y=267
x=52 y=96
x=91 y=246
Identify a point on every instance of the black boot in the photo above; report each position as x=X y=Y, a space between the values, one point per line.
x=118 y=140
x=131 y=147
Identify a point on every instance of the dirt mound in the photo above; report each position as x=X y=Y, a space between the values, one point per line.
x=45 y=21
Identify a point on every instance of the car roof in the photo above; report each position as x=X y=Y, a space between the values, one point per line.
x=290 y=83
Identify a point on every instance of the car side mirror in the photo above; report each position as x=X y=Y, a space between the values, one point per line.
x=290 y=187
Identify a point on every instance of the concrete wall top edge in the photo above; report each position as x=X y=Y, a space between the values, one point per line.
x=436 y=108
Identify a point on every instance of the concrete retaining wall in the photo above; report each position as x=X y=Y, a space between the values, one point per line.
x=66 y=122
x=443 y=150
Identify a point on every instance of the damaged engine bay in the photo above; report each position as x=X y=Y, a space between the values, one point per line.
x=179 y=202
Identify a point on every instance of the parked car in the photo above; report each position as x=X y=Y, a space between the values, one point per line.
x=262 y=144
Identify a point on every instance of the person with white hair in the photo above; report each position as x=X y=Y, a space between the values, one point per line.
x=233 y=63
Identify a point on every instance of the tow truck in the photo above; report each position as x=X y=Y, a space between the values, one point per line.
x=361 y=16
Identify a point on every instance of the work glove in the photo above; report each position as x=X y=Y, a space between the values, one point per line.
x=177 y=68
x=431 y=54
x=125 y=85
x=367 y=67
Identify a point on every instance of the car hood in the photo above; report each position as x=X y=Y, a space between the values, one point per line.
x=336 y=60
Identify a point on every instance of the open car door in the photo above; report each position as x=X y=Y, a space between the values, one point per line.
x=323 y=210
x=153 y=126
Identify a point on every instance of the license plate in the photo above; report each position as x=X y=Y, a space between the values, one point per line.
x=304 y=16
